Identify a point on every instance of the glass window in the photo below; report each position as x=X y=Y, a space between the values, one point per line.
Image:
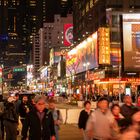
x=115 y=21
x=87 y=7
x=115 y=37
x=91 y=3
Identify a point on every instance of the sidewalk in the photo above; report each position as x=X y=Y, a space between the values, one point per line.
x=70 y=132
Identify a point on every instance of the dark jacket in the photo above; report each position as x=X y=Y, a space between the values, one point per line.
x=38 y=130
x=83 y=119
x=128 y=111
x=22 y=109
x=10 y=113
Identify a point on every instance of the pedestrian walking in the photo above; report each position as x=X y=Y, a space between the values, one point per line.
x=122 y=123
x=84 y=115
x=101 y=123
x=10 y=119
x=39 y=122
x=138 y=102
x=24 y=108
x=128 y=109
x=57 y=117
x=1 y=118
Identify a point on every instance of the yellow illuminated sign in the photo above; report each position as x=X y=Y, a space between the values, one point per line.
x=104 y=45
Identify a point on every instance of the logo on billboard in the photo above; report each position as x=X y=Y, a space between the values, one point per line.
x=68 y=34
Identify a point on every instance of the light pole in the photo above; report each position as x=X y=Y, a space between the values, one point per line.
x=86 y=65
x=119 y=82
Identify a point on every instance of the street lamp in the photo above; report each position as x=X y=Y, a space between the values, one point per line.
x=119 y=82
x=86 y=65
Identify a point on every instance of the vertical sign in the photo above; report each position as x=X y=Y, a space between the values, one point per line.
x=68 y=34
x=0 y=80
x=104 y=45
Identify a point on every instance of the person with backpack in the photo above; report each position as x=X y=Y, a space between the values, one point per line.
x=57 y=117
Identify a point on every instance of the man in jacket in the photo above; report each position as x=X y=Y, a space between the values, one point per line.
x=57 y=117
x=101 y=124
x=39 y=122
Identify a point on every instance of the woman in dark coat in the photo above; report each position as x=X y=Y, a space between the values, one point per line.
x=39 y=122
x=84 y=115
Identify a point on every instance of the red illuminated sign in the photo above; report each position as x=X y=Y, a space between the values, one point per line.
x=68 y=34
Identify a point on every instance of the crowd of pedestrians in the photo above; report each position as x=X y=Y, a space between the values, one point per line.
x=41 y=119
x=113 y=122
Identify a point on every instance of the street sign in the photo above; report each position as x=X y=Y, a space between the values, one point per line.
x=18 y=69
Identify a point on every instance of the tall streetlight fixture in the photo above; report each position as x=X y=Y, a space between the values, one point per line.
x=86 y=65
x=119 y=82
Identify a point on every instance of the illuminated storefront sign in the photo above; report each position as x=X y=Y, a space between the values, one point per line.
x=131 y=42
x=29 y=74
x=84 y=53
x=68 y=34
x=44 y=73
x=115 y=56
x=104 y=45
x=0 y=80
x=128 y=80
x=96 y=75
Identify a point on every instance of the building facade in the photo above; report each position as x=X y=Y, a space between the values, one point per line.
x=120 y=17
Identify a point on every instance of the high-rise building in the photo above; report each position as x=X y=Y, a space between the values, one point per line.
x=19 y=21
x=61 y=7
x=50 y=38
x=89 y=15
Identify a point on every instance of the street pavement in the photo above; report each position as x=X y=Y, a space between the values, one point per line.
x=68 y=132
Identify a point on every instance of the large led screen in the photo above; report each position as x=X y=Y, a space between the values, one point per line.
x=131 y=41
x=83 y=57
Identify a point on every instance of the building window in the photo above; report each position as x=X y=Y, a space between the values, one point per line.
x=91 y=3
x=115 y=21
x=115 y=36
x=83 y=12
x=87 y=7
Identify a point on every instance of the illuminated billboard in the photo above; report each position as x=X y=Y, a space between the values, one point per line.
x=131 y=41
x=115 y=55
x=85 y=53
x=104 y=45
x=29 y=74
x=68 y=34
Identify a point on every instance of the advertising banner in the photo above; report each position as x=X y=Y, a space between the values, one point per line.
x=131 y=41
x=83 y=57
x=104 y=45
x=68 y=34
x=29 y=74
x=115 y=56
